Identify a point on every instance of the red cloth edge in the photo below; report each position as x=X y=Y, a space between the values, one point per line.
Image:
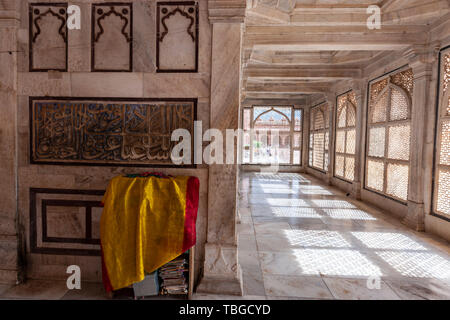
x=105 y=277
x=190 y=217
x=189 y=238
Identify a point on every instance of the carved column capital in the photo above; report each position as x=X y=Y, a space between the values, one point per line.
x=330 y=97
x=358 y=87
x=421 y=59
x=226 y=11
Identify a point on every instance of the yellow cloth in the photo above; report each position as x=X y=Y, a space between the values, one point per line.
x=141 y=216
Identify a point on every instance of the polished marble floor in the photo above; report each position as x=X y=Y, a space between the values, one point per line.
x=300 y=239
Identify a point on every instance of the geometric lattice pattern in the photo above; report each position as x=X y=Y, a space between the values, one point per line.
x=348 y=214
x=342 y=262
x=345 y=136
x=441 y=188
x=420 y=264
x=399 y=140
x=399 y=105
x=377 y=139
x=397 y=180
x=448 y=107
x=445 y=143
x=443 y=195
x=349 y=168
x=404 y=80
x=375 y=175
x=351 y=112
x=387 y=241
x=339 y=166
x=319 y=120
x=445 y=72
x=340 y=141
x=389 y=129
x=350 y=142
x=318 y=150
x=319 y=137
x=379 y=109
x=316 y=238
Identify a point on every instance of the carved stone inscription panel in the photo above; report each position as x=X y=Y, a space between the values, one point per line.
x=107 y=132
x=112 y=36
x=48 y=37
x=177 y=37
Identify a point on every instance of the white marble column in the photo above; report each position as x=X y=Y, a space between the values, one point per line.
x=305 y=141
x=421 y=63
x=9 y=23
x=331 y=100
x=359 y=88
x=222 y=273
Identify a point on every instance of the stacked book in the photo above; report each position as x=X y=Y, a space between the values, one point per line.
x=147 y=287
x=173 y=280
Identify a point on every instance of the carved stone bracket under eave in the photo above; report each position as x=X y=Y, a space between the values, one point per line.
x=421 y=57
x=226 y=11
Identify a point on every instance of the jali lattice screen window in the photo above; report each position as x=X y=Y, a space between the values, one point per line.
x=344 y=164
x=388 y=135
x=319 y=135
x=441 y=191
x=259 y=125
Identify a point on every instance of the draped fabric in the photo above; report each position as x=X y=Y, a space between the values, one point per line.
x=146 y=222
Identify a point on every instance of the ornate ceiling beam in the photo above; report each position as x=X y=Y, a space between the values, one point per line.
x=301 y=73
x=273 y=95
x=287 y=88
x=301 y=41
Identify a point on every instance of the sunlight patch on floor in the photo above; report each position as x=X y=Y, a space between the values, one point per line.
x=316 y=238
x=335 y=262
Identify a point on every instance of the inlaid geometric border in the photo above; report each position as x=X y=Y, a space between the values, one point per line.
x=77 y=203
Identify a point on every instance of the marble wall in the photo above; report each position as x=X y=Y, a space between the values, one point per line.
x=8 y=151
x=108 y=71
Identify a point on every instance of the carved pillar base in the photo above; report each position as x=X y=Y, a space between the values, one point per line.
x=328 y=178
x=222 y=273
x=356 y=192
x=415 y=218
x=421 y=62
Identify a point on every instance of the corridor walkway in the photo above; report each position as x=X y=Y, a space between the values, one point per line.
x=301 y=239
